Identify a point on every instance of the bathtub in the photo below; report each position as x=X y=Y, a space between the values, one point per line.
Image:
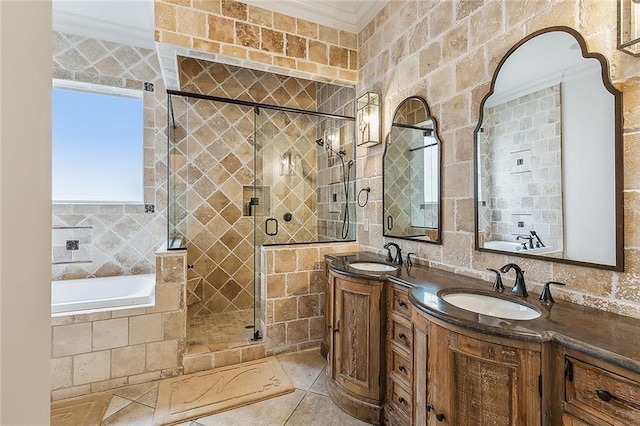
x=83 y=296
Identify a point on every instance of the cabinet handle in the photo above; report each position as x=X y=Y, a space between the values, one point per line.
x=401 y=400
x=604 y=395
x=401 y=335
x=402 y=304
x=401 y=368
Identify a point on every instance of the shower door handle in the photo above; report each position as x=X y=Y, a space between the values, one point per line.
x=267 y=224
x=389 y=222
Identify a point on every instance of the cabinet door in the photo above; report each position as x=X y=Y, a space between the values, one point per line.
x=356 y=337
x=420 y=368
x=473 y=382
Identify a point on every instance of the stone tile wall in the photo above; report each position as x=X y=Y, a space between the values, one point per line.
x=95 y=352
x=526 y=196
x=293 y=295
x=114 y=239
x=234 y=32
x=447 y=52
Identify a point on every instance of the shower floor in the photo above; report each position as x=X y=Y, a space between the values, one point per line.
x=219 y=331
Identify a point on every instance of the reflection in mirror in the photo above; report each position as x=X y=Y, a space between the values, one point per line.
x=411 y=178
x=547 y=155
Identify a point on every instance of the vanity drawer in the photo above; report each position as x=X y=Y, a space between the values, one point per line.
x=400 y=332
x=400 y=301
x=399 y=399
x=400 y=367
x=601 y=393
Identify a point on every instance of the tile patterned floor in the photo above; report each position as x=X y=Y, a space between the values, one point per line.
x=223 y=328
x=308 y=405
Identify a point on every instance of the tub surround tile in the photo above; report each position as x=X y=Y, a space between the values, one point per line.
x=71 y=339
x=145 y=328
x=110 y=334
x=91 y=367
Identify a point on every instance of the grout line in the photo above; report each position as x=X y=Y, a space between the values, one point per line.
x=296 y=407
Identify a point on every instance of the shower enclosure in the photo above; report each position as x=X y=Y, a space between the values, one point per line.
x=242 y=175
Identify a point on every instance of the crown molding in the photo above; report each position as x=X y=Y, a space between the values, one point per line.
x=351 y=16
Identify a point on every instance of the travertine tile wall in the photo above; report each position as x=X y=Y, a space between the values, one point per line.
x=447 y=52
x=339 y=100
x=293 y=289
x=115 y=239
x=525 y=195
x=95 y=352
x=220 y=168
x=261 y=39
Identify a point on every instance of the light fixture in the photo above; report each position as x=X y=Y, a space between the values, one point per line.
x=286 y=164
x=368 y=120
x=629 y=26
x=331 y=138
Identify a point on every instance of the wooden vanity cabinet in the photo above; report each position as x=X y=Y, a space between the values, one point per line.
x=599 y=393
x=356 y=356
x=474 y=379
x=399 y=344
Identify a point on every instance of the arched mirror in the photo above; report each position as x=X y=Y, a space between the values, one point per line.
x=411 y=175
x=548 y=155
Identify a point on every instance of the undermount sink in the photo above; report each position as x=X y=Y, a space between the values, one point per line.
x=491 y=306
x=372 y=267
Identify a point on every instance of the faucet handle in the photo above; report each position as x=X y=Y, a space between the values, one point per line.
x=546 y=297
x=409 y=261
x=497 y=284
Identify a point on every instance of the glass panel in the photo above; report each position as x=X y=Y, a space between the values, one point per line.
x=307 y=171
x=177 y=172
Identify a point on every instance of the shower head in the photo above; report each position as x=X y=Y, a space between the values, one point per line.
x=320 y=142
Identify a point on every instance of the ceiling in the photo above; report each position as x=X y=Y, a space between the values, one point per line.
x=132 y=22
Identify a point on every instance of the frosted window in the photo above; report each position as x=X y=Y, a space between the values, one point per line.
x=97 y=146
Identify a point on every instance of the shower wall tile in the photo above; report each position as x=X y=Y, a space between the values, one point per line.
x=294 y=296
x=120 y=239
x=219 y=143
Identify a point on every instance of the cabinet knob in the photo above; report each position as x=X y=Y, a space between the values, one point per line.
x=402 y=304
x=604 y=395
x=440 y=417
x=401 y=335
x=401 y=368
x=401 y=400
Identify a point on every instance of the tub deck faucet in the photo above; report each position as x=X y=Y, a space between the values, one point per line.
x=398 y=258
x=519 y=287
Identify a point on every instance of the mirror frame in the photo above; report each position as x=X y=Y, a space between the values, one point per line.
x=618 y=153
x=384 y=154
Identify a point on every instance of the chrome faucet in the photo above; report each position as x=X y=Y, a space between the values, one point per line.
x=525 y=237
x=398 y=258
x=519 y=288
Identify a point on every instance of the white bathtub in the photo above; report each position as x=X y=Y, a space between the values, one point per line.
x=83 y=296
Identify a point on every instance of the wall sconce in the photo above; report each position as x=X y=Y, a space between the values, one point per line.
x=368 y=120
x=629 y=26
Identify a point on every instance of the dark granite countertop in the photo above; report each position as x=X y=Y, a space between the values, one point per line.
x=604 y=335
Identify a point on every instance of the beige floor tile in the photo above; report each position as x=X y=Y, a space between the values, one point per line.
x=320 y=385
x=149 y=399
x=303 y=367
x=319 y=410
x=117 y=404
x=133 y=414
x=136 y=391
x=271 y=412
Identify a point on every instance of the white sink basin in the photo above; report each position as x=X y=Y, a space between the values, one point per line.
x=372 y=267
x=492 y=306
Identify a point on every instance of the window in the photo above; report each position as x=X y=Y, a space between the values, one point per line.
x=97 y=144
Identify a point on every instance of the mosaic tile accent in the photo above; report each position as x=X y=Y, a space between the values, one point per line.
x=123 y=238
